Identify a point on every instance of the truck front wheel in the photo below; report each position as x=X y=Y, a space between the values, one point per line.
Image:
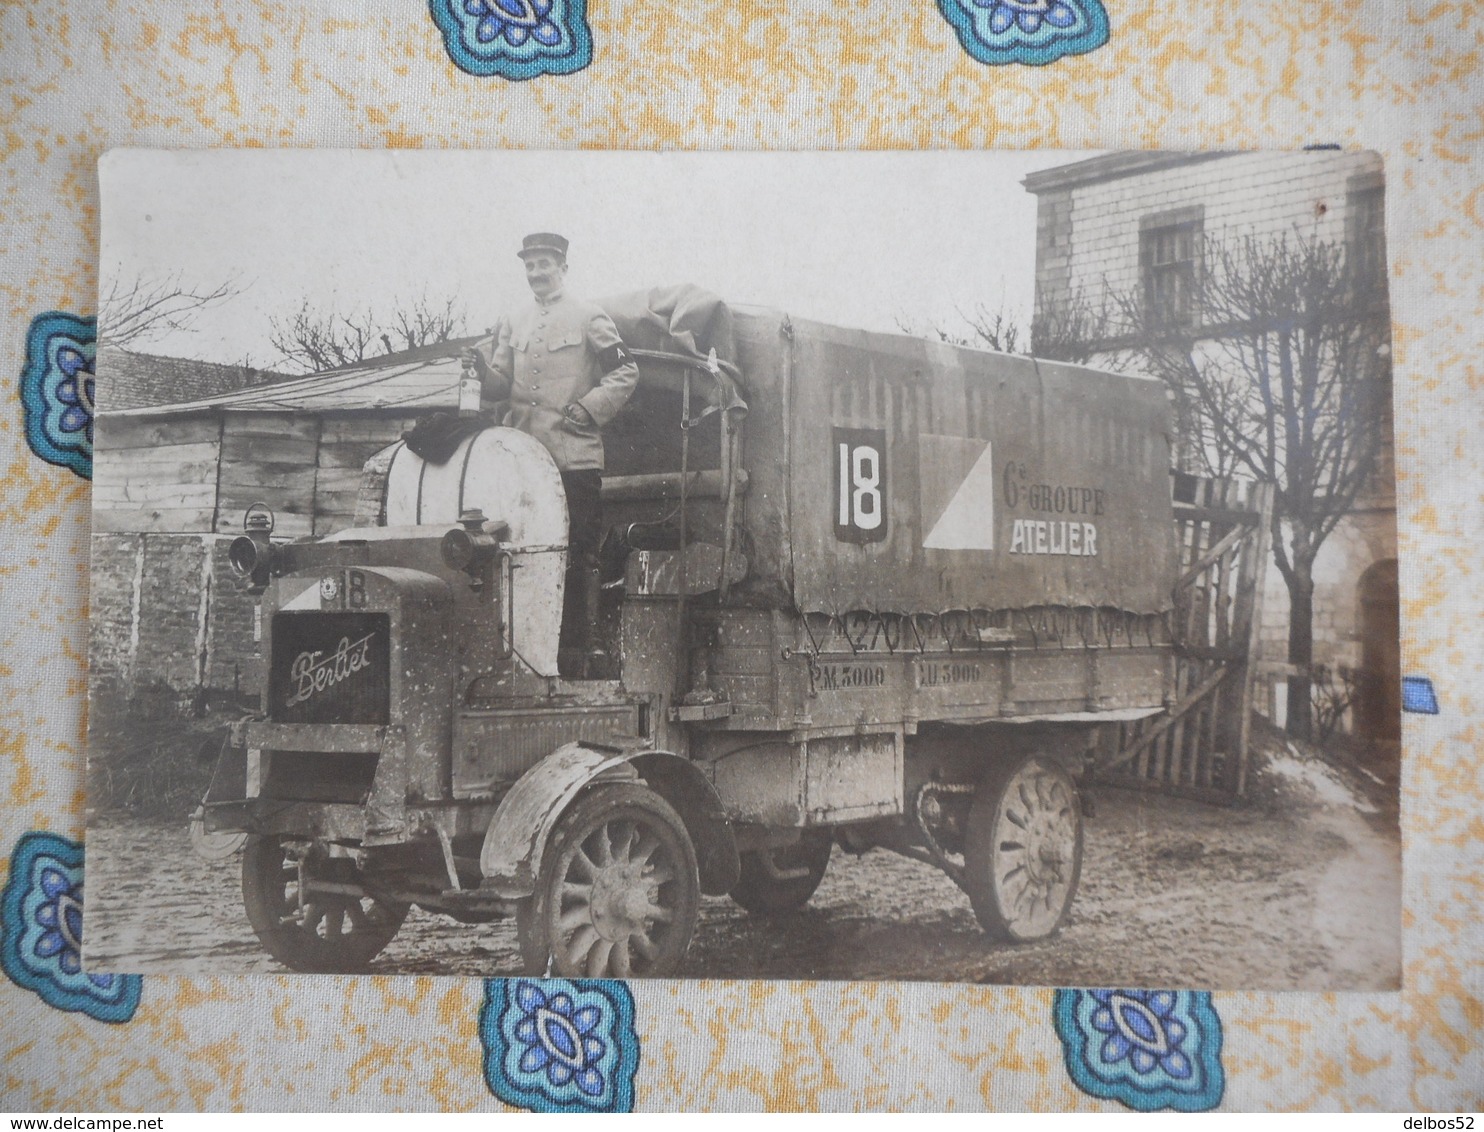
x=1023 y=849
x=310 y=928
x=618 y=893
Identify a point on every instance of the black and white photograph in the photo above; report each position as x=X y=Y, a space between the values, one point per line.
x=963 y=567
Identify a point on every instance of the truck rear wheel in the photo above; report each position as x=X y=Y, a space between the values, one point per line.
x=313 y=931
x=618 y=894
x=1023 y=849
x=783 y=879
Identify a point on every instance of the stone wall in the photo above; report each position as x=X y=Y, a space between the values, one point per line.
x=169 y=620
x=1362 y=540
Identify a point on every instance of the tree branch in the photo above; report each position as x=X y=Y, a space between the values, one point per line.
x=312 y=340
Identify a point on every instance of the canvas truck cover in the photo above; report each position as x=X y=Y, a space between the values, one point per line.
x=895 y=474
x=683 y=319
x=891 y=473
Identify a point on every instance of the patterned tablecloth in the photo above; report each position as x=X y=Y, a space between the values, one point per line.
x=79 y=78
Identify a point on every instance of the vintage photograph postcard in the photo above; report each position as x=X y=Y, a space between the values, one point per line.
x=972 y=567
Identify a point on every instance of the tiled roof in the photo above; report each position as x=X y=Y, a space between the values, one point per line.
x=130 y=380
x=422 y=379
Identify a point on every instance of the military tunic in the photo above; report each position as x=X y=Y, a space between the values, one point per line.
x=549 y=355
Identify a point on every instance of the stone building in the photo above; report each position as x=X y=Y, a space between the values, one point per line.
x=1129 y=227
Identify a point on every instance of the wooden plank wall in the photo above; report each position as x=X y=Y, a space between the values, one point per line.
x=268 y=458
x=1200 y=748
x=345 y=444
x=200 y=474
x=155 y=475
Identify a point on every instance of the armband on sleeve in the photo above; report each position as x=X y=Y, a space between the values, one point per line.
x=611 y=357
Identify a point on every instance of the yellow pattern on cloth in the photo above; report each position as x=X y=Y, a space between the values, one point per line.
x=1398 y=78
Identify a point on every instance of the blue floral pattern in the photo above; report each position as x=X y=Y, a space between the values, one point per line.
x=41 y=932
x=559 y=1045
x=1145 y=1049
x=1035 y=32
x=515 y=39
x=1418 y=695
x=57 y=390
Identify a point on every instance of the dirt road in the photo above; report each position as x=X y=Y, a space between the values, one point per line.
x=1299 y=893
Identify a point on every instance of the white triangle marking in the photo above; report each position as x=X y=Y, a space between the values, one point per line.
x=967 y=523
x=307 y=598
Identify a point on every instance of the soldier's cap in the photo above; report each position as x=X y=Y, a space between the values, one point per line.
x=543 y=242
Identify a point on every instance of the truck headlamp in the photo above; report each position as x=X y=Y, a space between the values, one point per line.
x=251 y=554
x=473 y=544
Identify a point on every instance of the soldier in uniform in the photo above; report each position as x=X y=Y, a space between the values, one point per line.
x=562 y=366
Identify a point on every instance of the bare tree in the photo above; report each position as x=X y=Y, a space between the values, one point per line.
x=1075 y=329
x=310 y=339
x=135 y=312
x=994 y=330
x=1281 y=370
x=1072 y=330
x=984 y=328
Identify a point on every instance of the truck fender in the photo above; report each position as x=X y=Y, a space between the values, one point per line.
x=679 y=782
x=515 y=843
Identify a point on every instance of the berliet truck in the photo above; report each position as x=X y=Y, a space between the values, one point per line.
x=859 y=590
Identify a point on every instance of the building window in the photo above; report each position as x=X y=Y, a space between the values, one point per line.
x=1169 y=260
x=1365 y=231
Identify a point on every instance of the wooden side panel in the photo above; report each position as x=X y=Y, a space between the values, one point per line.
x=143 y=492
x=268 y=458
x=763 y=783
x=345 y=446
x=779 y=673
x=113 y=519
x=741 y=662
x=113 y=433
x=823 y=781
x=853 y=777
x=155 y=478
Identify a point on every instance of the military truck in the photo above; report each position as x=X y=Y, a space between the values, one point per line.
x=860 y=590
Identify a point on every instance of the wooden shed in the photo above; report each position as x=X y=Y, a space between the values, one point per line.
x=297 y=445
x=171 y=483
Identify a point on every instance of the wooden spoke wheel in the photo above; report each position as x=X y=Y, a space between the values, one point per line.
x=783 y=879
x=310 y=930
x=1023 y=850
x=618 y=893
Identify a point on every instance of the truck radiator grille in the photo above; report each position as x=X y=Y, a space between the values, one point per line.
x=330 y=668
